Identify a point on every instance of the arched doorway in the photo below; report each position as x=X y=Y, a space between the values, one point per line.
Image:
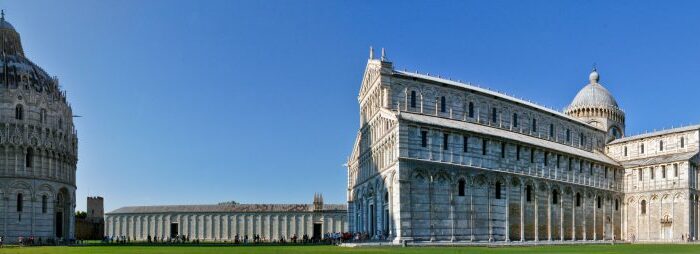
x=62 y=214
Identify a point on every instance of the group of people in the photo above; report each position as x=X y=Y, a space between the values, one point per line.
x=327 y=238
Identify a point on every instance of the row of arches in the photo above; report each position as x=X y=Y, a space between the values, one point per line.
x=484 y=207
x=20 y=114
x=614 y=114
x=25 y=204
x=662 y=216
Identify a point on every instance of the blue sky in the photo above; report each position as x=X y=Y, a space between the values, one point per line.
x=188 y=102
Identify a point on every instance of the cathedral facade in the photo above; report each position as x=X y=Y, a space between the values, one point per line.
x=38 y=148
x=441 y=160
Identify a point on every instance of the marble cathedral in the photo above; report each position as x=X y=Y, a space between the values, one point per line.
x=440 y=160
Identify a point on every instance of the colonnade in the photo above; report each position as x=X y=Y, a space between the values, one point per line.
x=223 y=226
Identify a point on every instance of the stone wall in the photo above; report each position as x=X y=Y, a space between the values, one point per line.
x=223 y=226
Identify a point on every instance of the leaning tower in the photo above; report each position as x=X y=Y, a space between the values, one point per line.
x=38 y=148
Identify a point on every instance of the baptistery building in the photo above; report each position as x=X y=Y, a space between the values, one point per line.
x=441 y=160
x=38 y=148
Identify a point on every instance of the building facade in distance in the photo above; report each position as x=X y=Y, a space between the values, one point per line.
x=440 y=160
x=222 y=222
x=92 y=226
x=38 y=148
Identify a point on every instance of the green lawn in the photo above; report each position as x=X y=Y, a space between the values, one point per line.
x=588 y=249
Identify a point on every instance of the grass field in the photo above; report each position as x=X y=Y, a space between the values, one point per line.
x=588 y=249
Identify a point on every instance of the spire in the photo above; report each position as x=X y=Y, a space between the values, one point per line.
x=384 y=58
x=2 y=13
x=371 y=53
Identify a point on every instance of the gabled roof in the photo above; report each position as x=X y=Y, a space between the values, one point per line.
x=656 y=133
x=496 y=132
x=666 y=158
x=226 y=208
x=495 y=94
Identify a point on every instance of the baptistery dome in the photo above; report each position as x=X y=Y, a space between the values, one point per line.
x=38 y=148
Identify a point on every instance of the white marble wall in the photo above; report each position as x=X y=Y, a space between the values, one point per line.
x=223 y=226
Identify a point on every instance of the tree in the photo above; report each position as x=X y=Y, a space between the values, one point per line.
x=80 y=214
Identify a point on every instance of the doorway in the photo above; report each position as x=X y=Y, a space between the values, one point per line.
x=372 y=221
x=59 y=224
x=317 y=231
x=173 y=230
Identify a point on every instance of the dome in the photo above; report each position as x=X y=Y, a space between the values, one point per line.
x=6 y=25
x=594 y=95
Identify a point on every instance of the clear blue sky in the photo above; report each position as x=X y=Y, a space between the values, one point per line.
x=206 y=101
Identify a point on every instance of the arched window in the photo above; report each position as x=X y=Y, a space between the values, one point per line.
x=461 y=187
x=29 y=158
x=465 y=143
x=528 y=193
x=625 y=151
x=534 y=125
x=42 y=116
x=19 y=112
x=675 y=170
x=413 y=99
x=578 y=199
x=471 y=109
x=651 y=172
x=640 y=174
x=682 y=142
x=386 y=196
x=641 y=148
x=484 y=146
x=20 y=202
x=498 y=190
x=515 y=119
x=551 y=130
x=443 y=104
x=494 y=115
x=44 y=203
x=555 y=197
x=503 y=149
x=663 y=171
x=661 y=145
x=643 y=205
x=445 y=141
x=599 y=201
x=617 y=205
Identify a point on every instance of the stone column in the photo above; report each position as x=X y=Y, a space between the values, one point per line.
x=537 y=215
x=612 y=220
x=573 y=216
x=561 y=215
x=549 y=215
x=507 y=224
x=595 y=219
x=452 y=215
x=583 y=215
x=471 y=214
x=488 y=200
x=522 y=210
